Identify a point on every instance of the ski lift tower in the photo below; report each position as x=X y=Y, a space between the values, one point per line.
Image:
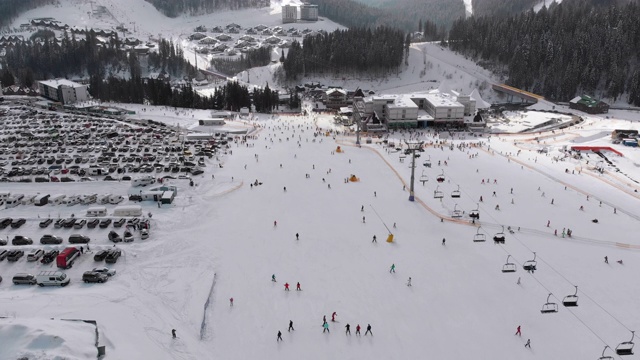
x=413 y=147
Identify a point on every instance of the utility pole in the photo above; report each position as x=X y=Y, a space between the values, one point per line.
x=413 y=147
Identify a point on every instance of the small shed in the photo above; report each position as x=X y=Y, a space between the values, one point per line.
x=168 y=196
x=589 y=105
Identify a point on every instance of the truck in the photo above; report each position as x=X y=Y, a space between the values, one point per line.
x=52 y=278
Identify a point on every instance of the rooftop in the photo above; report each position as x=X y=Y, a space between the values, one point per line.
x=57 y=82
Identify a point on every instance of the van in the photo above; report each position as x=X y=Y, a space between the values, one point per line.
x=96 y=211
x=92 y=171
x=52 y=278
x=13 y=201
x=143 y=181
x=67 y=257
x=24 y=278
x=4 y=195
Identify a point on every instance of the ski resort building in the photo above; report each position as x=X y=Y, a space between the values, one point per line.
x=308 y=12
x=63 y=91
x=289 y=14
x=589 y=105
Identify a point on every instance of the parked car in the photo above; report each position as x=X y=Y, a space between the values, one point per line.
x=109 y=178
x=68 y=223
x=48 y=239
x=3 y=254
x=79 y=239
x=79 y=224
x=59 y=223
x=113 y=256
x=114 y=237
x=128 y=236
x=18 y=222
x=21 y=240
x=91 y=224
x=24 y=279
x=45 y=223
x=118 y=223
x=35 y=255
x=4 y=223
x=100 y=255
x=15 y=255
x=49 y=256
x=104 y=223
x=94 y=277
x=3 y=242
x=144 y=234
x=105 y=270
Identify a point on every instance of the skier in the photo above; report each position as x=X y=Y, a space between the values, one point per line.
x=297 y=236
x=409 y=282
x=619 y=262
x=326 y=327
x=393 y=268
x=518 y=281
x=230 y=301
x=528 y=344
x=375 y=194
x=285 y=189
x=324 y=319
x=606 y=260
x=518 y=331
x=273 y=277
x=494 y=194
x=279 y=336
x=362 y=208
x=275 y=223
x=363 y=220
x=480 y=198
x=286 y=286
x=291 y=326
x=358 y=329
x=548 y=223
x=368 y=330
x=443 y=241
x=374 y=239
x=173 y=332
x=348 y=329
x=333 y=316
x=298 y=287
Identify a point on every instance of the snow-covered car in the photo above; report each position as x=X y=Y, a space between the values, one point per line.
x=105 y=270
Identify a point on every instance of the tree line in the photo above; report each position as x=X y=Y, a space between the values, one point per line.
x=253 y=58
x=10 y=9
x=174 y=8
x=570 y=48
x=372 y=51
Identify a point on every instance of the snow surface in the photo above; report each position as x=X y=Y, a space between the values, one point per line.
x=220 y=234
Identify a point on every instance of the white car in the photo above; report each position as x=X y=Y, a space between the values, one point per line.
x=105 y=270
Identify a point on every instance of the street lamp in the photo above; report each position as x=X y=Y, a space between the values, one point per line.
x=413 y=147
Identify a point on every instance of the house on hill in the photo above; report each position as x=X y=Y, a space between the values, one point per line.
x=335 y=98
x=588 y=104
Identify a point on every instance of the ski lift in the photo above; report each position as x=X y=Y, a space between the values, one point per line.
x=479 y=237
x=571 y=300
x=423 y=178
x=475 y=213
x=508 y=267
x=440 y=177
x=498 y=238
x=428 y=162
x=549 y=307
x=456 y=212
x=437 y=194
x=456 y=193
x=605 y=357
x=626 y=348
x=530 y=264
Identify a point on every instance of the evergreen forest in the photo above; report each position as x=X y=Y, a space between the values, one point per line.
x=174 y=8
x=10 y=9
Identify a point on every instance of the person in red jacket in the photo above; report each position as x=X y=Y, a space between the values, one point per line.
x=358 y=329
x=298 y=287
x=286 y=286
x=333 y=316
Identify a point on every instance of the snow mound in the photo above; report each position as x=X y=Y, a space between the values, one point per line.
x=47 y=339
x=480 y=103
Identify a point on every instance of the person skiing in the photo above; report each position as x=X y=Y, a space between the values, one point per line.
x=275 y=223
x=480 y=198
x=326 y=327
x=231 y=302
x=297 y=236
x=358 y=329
x=619 y=262
x=324 y=319
x=606 y=259
x=273 y=277
x=333 y=316
x=286 y=286
x=348 y=331
x=363 y=220
x=362 y=208
x=368 y=330
x=409 y=282
x=173 y=333
x=298 y=287
x=374 y=239
x=528 y=344
x=518 y=331
x=443 y=241
x=291 y=326
x=393 y=268
x=279 y=336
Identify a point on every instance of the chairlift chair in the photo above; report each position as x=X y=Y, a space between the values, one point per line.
x=530 y=264
x=456 y=193
x=508 y=267
x=437 y=194
x=605 y=357
x=626 y=348
x=475 y=213
x=440 y=177
x=428 y=162
x=456 y=212
x=423 y=178
x=571 y=300
x=549 y=307
x=479 y=237
x=498 y=238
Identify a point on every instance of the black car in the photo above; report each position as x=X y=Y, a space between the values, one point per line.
x=18 y=222
x=110 y=178
x=45 y=223
x=68 y=223
x=91 y=224
x=118 y=223
x=79 y=224
x=100 y=255
x=15 y=255
x=3 y=254
x=104 y=223
x=79 y=239
x=94 y=277
x=113 y=256
x=114 y=237
x=21 y=240
x=49 y=256
x=59 y=223
x=5 y=222
x=50 y=239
